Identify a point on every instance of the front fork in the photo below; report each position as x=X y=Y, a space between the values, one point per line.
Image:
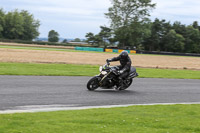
x=103 y=77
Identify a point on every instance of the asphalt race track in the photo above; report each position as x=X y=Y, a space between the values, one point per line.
x=20 y=92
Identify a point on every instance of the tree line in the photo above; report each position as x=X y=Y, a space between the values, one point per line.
x=18 y=25
x=131 y=27
x=174 y=37
x=21 y=25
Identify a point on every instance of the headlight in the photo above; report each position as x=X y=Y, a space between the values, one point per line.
x=103 y=72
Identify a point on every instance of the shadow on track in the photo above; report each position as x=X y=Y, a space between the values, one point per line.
x=114 y=92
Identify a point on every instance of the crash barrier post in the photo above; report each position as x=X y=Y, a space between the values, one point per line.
x=89 y=49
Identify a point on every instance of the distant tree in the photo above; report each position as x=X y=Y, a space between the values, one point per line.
x=53 y=36
x=124 y=14
x=192 y=40
x=13 y=28
x=139 y=31
x=30 y=26
x=191 y=34
x=159 y=28
x=105 y=35
x=174 y=42
x=90 y=38
x=100 y=39
x=2 y=22
x=18 y=25
x=64 y=41
x=196 y=25
x=77 y=40
x=179 y=28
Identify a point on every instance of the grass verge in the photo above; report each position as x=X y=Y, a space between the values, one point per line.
x=137 y=119
x=87 y=70
x=38 y=48
x=47 y=69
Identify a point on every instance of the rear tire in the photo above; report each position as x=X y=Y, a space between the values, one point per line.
x=93 y=84
x=128 y=84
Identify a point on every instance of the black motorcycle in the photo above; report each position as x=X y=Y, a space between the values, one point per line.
x=108 y=78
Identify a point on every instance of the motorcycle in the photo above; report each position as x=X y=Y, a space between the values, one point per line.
x=108 y=78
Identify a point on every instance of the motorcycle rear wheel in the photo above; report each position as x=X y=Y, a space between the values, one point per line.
x=93 y=84
x=128 y=84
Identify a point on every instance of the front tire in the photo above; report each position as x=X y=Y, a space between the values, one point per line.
x=93 y=84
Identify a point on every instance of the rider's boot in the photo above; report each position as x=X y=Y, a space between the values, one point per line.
x=120 y=85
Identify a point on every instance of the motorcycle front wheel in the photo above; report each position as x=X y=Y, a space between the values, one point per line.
x=93 y=84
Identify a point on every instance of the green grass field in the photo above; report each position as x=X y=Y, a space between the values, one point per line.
x=87 y=70
x=135 y=119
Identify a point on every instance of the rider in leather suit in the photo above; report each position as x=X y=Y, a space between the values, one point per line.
x=124 y=68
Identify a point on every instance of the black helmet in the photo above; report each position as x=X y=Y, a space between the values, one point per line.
x=124 y=54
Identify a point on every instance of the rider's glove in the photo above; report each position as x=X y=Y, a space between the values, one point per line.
x=108 y=60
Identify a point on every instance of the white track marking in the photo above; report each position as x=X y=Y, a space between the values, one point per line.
x=48 y=108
